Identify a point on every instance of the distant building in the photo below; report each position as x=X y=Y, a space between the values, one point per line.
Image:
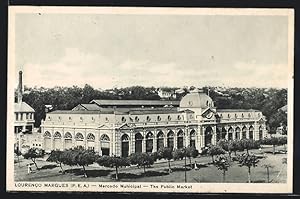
x=162 y=93
x=24 y=115
x=122 y=127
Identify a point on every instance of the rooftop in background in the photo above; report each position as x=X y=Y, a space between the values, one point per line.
x=134 y=111
x=134 y=103
x=237 y=110
x=23 y=107
x=87 y=107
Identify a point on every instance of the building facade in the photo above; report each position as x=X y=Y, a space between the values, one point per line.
x=123 y=128
x=23 y=116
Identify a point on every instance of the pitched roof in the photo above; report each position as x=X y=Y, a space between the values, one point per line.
x=237 y=110
x=89 y=107
x=134 y=102
x=23 y=107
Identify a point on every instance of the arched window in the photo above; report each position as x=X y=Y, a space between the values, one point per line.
x=104 y=137
x=123 y=119
x=170 y=140
x=193 y=138
x=57 y=135
x=244 y=132
x=242 y=115
x=169 y=118
x=235 y=115
x=249 y=115
x=230 y=133
x=104 y=144
x=79 y=136
x=251 y=129
x=158 y=118
x=68 y=135
x=237 y=133
x=149 y=142
x=160 y=140
x=70 y=118
x=47 y=134
x=106 y=119
x=138 y=142
x=81 y=119
x=125 y=145
x=180 y=136
x=228 y=115
x=136 y=118
x=90 y=137
x=179 y=117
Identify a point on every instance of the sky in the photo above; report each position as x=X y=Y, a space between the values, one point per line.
x=108 y=51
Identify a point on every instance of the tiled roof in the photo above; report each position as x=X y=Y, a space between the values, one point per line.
x=237 y=110
x=135 y=102
x=23 y=107
x=91 y=107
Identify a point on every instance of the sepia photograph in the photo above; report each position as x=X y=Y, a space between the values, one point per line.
x=125 y=99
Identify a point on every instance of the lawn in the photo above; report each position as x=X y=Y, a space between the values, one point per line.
x=158 y=172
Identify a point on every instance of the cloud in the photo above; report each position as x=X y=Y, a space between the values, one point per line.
x=78 y=68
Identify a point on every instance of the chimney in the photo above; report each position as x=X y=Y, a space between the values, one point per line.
x=20 y=88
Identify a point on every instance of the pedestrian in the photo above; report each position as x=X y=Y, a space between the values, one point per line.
x=29 y=169
x=196 y=168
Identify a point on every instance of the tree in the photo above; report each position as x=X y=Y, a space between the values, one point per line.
x=142 y=159
x=267 y=167
x=276 y=119
x=283 y=141
x=215 y=150
x=18 y=153
x=248 y=144
x=166 y=153
x=113 y=162
x=84 y=158
x=222 y=163
x=56 y=156
x=248 y=161
x=191 y=152
x=274 y=141
x=68 y=157
x=33 y=154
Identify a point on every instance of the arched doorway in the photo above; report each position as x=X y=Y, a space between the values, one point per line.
x=260 y=133
x=208 y=136
x=57 y=142
x=160 y=140
x=193 y=138
x=125 y=145
x=138 y=142
x=79 y=140
x=104 y=144
x=90 y=141
x=230 y=133
x=170 y=140
x=180 y=136
x=68 y=140
x=149 y=142
x=244 y=132
x=237 y=133
x=251 y=136
x=224 y=132
x=47 y=141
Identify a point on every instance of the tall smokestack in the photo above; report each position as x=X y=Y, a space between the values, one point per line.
x=20 y=88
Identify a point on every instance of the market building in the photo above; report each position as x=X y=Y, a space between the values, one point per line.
x=122 y=127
